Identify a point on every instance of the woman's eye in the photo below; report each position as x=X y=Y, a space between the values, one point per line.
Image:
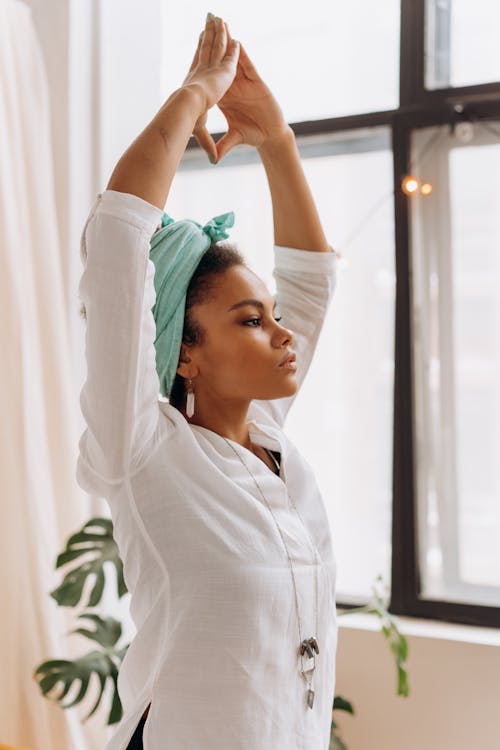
x=259 y=320
x=252 y=320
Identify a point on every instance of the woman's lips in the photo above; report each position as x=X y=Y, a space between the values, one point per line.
x=290 y=363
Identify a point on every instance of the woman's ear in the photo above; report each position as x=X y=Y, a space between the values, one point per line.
x=184 y=365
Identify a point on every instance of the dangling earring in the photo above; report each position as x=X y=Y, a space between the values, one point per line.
x=190 y=399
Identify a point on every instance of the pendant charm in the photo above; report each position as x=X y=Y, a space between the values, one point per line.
x=310 y=697
x=306 y=646
x=314 y=644
x=310 y=645
x=308 y=679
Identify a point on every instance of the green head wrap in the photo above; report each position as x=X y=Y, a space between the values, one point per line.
x=176 y=250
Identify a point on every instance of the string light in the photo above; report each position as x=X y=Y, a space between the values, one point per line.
x=464 y=131
x=410 y=185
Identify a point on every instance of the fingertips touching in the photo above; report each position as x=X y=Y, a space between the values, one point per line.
x=220 y=27
x=220 y=40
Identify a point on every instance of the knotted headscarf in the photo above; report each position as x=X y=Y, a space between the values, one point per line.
x=176 y=250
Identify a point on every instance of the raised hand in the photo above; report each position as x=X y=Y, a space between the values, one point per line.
x=252 y=113
x=213 y=69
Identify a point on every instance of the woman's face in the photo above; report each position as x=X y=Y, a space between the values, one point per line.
x=244 y=342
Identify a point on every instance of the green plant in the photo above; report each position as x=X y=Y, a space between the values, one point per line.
x=96 y=545
x=91 y=548
x=397 y=643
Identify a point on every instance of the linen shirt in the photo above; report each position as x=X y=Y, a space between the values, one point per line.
x=216 y=651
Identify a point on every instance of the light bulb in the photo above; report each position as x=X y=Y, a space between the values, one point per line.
x=426 y=188
x=410 y=185
x=464 y=132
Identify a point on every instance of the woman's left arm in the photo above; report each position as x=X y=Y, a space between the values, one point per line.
x=254 y=117
x=296 y=219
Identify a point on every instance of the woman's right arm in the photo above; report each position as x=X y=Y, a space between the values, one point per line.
x=148 y=166
x=119 y=399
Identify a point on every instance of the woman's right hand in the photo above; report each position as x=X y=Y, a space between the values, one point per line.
x=213 y=70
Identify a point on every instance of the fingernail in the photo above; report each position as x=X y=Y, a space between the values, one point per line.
x=211 y=159
x=210 y=17
x=217 y=20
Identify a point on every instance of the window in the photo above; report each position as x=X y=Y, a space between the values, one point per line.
x=462 y=42
x=404 y=384
x=320 y=59
x=348 y=392
x=456 y=318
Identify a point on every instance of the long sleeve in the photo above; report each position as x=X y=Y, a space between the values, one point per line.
x=119 y=399
x=305 y=282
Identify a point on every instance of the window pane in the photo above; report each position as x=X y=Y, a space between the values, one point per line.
x=457 y=366
x=462 y=42
x=342 y=419
x=323 y=60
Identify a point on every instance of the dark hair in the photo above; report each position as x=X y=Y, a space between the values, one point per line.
x=218 y=258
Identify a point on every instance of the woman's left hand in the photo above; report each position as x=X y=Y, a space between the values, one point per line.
x=252 y=113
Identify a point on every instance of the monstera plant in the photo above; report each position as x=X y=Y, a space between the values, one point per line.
x=89 y=550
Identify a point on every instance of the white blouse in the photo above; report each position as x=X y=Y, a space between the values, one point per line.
x=217 y=644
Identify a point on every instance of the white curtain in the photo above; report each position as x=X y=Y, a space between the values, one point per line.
x=40 y=501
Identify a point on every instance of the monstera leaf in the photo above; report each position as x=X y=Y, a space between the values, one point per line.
x=104 y=664
x=94 y=542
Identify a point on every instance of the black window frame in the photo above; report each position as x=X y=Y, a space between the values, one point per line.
x=418 y=108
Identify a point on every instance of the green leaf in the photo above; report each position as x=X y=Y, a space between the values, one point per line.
x=342 y=704
x=336 y=743
x=106 y=633
x=68 y=673
x=116 y=707
x=102 y=685
x=95 y=544
x=403 y=688
x=404 y=648
x=397 y=643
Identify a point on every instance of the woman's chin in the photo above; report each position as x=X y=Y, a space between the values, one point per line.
x=289 y=387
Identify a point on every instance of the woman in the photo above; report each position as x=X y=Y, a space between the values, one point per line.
x=220 y=524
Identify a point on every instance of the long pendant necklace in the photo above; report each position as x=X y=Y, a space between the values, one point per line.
x=309 y=645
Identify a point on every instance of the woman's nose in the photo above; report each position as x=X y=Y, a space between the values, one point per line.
x=286 y=334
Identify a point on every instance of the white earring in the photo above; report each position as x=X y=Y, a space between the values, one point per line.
x=190 y=399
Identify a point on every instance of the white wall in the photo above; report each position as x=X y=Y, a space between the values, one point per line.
x=454 y=678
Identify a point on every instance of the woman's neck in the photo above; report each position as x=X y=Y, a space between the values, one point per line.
x=229 y=422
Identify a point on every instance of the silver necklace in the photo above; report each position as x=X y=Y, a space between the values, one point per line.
x=309 y=645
